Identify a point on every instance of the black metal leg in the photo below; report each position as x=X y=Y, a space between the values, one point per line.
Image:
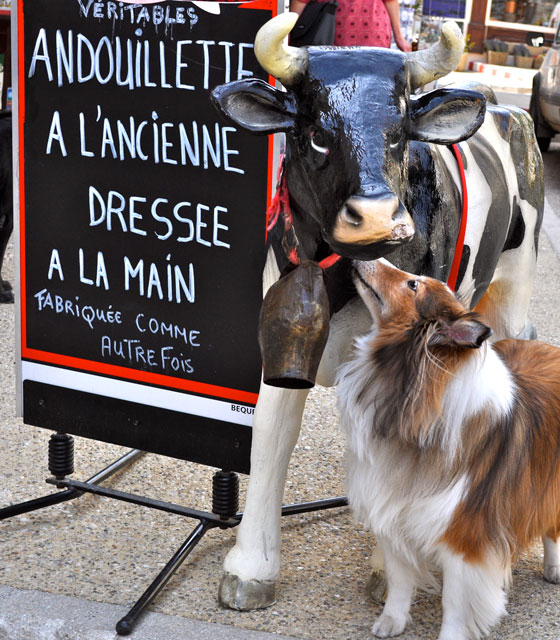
x=314 y=505
x=127 y=624
x=116 y=466
x=69 y=494
x=38 y=503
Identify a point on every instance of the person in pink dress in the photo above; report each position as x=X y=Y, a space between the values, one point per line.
x=369 y=23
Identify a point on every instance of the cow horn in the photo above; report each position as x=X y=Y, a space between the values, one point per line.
x=439 y=60
x=282 y=61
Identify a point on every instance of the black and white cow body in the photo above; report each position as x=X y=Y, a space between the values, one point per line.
x=370 y=173
x=6 y=202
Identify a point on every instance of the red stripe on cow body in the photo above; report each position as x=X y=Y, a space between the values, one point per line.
x=452 y=280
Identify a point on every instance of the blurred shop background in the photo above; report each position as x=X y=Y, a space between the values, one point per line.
x=506 y=40
x=529 y=22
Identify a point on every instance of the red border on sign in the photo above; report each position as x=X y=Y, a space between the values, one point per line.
x=21 y=121
x=161 y=380
x=92 y=366
x=260 y=4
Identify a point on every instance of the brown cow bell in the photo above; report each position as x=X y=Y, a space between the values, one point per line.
x=294 y=327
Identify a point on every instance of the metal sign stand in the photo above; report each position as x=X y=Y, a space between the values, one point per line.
x=58 y=412
x=224 y=515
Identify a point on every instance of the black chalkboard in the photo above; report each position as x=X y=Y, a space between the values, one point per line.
x=142 y=223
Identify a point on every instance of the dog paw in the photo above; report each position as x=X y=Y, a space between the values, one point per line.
x=387 y=627
x=552 y=574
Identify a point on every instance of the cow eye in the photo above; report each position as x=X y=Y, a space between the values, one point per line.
x=412 y=284
x=318 y=143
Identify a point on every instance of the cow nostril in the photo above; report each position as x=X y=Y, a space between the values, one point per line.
x=352 y=216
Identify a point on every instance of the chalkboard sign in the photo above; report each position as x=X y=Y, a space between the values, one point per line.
x=142 y=214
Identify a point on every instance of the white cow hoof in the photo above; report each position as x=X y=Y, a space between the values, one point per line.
x=387 y=627
x=552 y=574
x=246 y=595
x=376 y=586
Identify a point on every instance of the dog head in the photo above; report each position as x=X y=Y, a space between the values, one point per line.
x=402 y=301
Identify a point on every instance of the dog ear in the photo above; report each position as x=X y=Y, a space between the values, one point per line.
x=465 y=332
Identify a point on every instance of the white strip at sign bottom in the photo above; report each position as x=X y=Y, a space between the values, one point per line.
x=142 y=394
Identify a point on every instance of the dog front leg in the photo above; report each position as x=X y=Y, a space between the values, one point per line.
x=401 y=581
x=473 y=596
x=252 y=567
x=552 y=559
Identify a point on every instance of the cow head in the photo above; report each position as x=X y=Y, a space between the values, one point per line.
x=349 y=115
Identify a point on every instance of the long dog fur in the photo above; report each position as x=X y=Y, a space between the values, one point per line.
x=453 y=449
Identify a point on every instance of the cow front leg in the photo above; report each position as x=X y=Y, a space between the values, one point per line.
x=252 y=567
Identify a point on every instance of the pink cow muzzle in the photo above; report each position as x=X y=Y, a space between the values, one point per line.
x=364 y=220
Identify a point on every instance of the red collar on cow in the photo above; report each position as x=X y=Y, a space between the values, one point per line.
x=280 y=206
x=453 y=274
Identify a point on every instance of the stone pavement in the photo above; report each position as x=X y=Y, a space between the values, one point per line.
x=71 y=571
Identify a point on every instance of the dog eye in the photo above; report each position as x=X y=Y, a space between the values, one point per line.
x=412 y=284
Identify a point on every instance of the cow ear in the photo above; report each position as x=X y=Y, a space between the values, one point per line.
x=446 y=116
x=256 y=106
x=467 y=332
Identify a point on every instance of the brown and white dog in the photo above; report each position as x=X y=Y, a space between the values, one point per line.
x=453 y=449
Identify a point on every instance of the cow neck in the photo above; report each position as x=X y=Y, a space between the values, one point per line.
x=280 y=207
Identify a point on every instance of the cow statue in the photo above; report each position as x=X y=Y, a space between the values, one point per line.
x=369 y=172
